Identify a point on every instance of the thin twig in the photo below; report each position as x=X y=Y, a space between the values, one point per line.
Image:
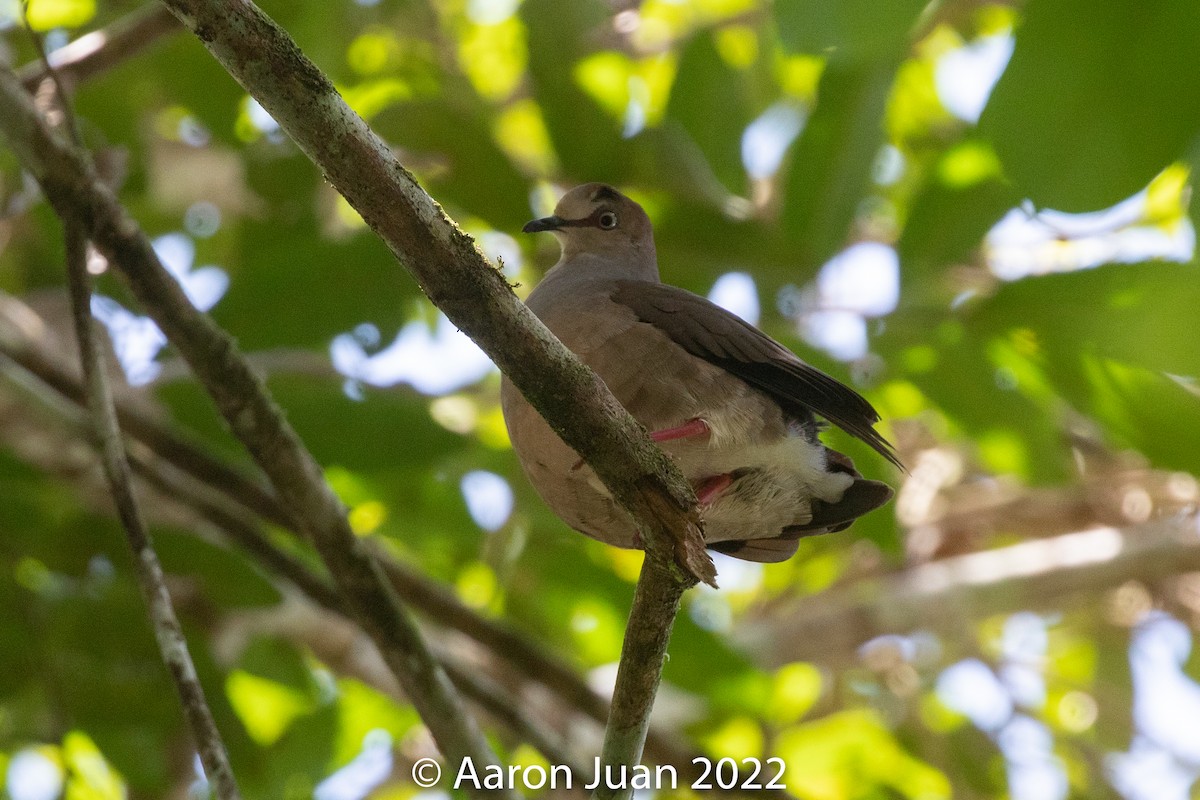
x=73 y=188
x=655 y=605
x=171 y=643
x=98 y=51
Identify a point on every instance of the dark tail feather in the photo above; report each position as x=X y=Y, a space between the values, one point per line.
x=764 y=551
x=862 y=497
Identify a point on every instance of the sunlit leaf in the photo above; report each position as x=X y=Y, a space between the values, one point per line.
x=44 y=15
x=494 y=57
x=849 y=30
x=90 y=776
x=832 y=162
x=738 y=738
x=266 y=708
x=1093 y=103
x=850 y=755
x=361 y=710
x=797 y=687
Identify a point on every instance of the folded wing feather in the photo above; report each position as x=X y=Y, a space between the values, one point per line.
x=708 y=331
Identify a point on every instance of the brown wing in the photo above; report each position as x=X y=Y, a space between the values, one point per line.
x=710 y=332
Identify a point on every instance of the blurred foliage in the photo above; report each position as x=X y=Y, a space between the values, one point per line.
x=1032 y=358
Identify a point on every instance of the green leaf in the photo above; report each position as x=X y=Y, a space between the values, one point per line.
x=1137 y=313
x=45 y=15
x=1098 y=98
x=708 y=101
x=847 y=29
x=950 y=217
x=1005 y=412
x=292 y=286
x=1108 y=340
x=585 y=138
x=390 y=429
x=1146 y=410
x=474 y=175
x=278 y=660
x=228 y=577
x=832 y=163
x=852 y=754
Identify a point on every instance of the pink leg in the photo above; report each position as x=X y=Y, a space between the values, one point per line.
x=693 y=427
x=708 y=489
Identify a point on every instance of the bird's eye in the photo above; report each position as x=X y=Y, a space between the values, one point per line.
x=608 y=220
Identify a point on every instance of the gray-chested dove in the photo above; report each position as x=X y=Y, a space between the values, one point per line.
x=735 y=409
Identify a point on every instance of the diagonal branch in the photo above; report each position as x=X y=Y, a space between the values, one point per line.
x=453 y=273
x=476 y=298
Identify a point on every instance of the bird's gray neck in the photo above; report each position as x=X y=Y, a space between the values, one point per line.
x=571 y=276
x=637 y=262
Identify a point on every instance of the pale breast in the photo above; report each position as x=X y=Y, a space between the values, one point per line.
x=571 y=491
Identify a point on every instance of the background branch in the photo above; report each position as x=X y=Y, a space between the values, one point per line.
x=941 y=596
x=98 y=51
x=77 y=195
x=172 y=645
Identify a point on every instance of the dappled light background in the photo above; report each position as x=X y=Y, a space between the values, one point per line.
x=979 y=214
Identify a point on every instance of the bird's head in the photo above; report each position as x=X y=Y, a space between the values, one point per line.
x=598 y=220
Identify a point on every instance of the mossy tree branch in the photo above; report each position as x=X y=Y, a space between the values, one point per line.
x=451 y=271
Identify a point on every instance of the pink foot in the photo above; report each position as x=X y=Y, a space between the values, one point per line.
x=693 y=427
x=708 y=489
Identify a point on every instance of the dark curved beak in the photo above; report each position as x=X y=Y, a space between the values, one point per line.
x=543 y=224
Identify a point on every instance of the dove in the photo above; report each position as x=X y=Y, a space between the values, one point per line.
x=736 y=411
